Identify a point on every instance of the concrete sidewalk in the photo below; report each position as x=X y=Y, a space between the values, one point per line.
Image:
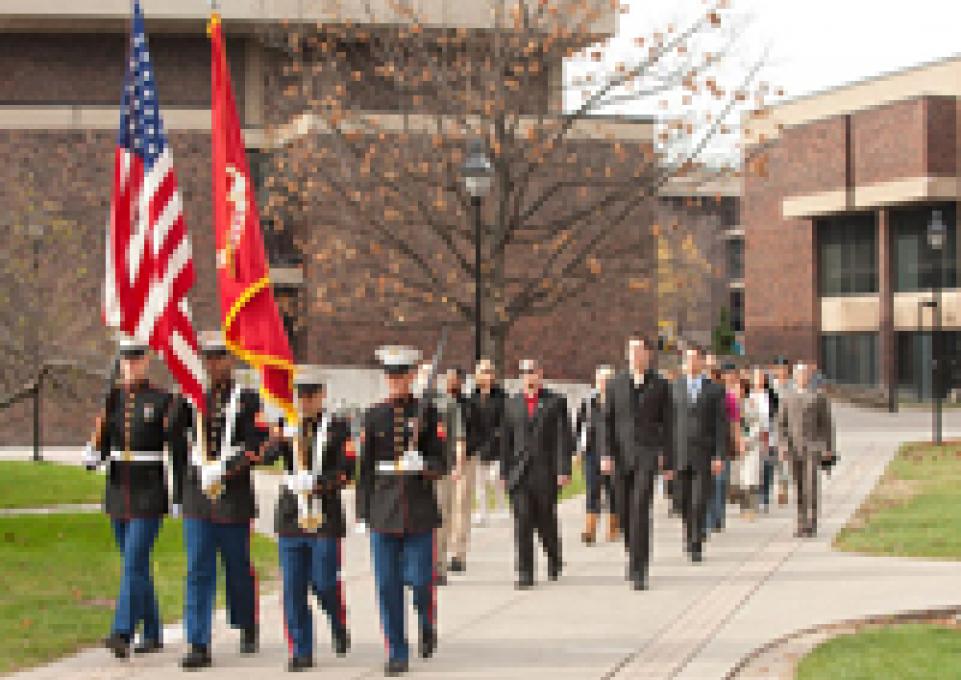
x=757 y=583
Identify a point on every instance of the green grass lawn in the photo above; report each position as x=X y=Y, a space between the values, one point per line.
x=576 y=487
x=26 y=484
x=59 y=575
x=903 y=652
x=915 y=510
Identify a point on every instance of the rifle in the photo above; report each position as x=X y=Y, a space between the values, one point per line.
x=430 y=386
x=97 y=438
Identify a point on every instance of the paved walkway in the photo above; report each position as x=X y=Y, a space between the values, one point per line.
x=757 y=583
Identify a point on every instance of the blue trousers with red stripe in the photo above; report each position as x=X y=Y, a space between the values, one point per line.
x=310 y=563
x=137 y=601
x=399 y=560
x=204 y=539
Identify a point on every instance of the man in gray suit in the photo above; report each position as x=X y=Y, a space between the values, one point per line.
x=639 y=413
x=806 y=430
x=697 y=444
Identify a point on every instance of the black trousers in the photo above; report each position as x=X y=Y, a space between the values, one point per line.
x=694 y=485
x=535 y=510
x=635 y=493
x=595 y=483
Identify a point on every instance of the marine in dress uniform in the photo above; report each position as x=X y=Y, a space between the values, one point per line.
x=138 y=422
x=638 y=413
x=309 y=519
x=401 y=458
x=219 y=506
x=537 y=445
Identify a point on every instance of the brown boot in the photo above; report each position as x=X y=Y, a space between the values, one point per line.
x=590 y=529
x=613 y=527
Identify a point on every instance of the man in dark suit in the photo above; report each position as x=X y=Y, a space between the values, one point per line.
x=697 y=444
x=537 y=444
x=639 y=412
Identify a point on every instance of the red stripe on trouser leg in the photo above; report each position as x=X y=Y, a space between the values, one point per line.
x=432 y=602
x=253 y=575
x=290 y=640
x=341 y=599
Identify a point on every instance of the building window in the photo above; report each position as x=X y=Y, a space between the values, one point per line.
x=737 y=311
x=850 y=358
x=848 y=255
x=915 y=266
x=735 y=259
x=914 y=353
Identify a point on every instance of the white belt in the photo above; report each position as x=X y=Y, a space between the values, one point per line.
x=137 y=456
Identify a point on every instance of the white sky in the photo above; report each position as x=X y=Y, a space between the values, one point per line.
x=816 y=44
x=810 y=45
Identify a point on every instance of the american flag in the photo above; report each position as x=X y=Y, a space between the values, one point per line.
x=149 y=264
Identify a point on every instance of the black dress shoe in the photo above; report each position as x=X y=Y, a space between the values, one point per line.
x=198 y=657
x=341 y=642
x=524 y=583
x=148 y=647
x=300 y=663
x=639 y=584
x=249 y=640
x=554 y=572
x=118 y=644
x=428 y=642
x=395 y=667
x=457 y=565
x=696 y=554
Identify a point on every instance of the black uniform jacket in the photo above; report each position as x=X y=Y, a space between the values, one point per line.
x=236 y=502
x=639 y=419
x=142 y=418
x=535 y=450
x=334 y=473
x=485 y=414
x=399 y=503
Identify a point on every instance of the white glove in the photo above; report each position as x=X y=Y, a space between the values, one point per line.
x=176 y=510
x=91 y=457
x=210 y=474
x=303 y=482
x=361 y=527
x=495 y=471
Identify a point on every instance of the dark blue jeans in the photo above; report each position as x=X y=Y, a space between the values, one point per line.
x=717 y=503
x=767 y=479
x=595 y=483
x=399 y=560
x=310 y=564
x=137 y=601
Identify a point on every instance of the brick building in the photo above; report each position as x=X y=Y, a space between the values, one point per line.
x=838 y=268
x=61 y=70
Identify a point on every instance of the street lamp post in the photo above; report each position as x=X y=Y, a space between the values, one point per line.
x=36 y=232
x=477 y=181
x=936 y=238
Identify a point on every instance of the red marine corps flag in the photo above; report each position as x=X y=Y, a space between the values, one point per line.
x=252 y=326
